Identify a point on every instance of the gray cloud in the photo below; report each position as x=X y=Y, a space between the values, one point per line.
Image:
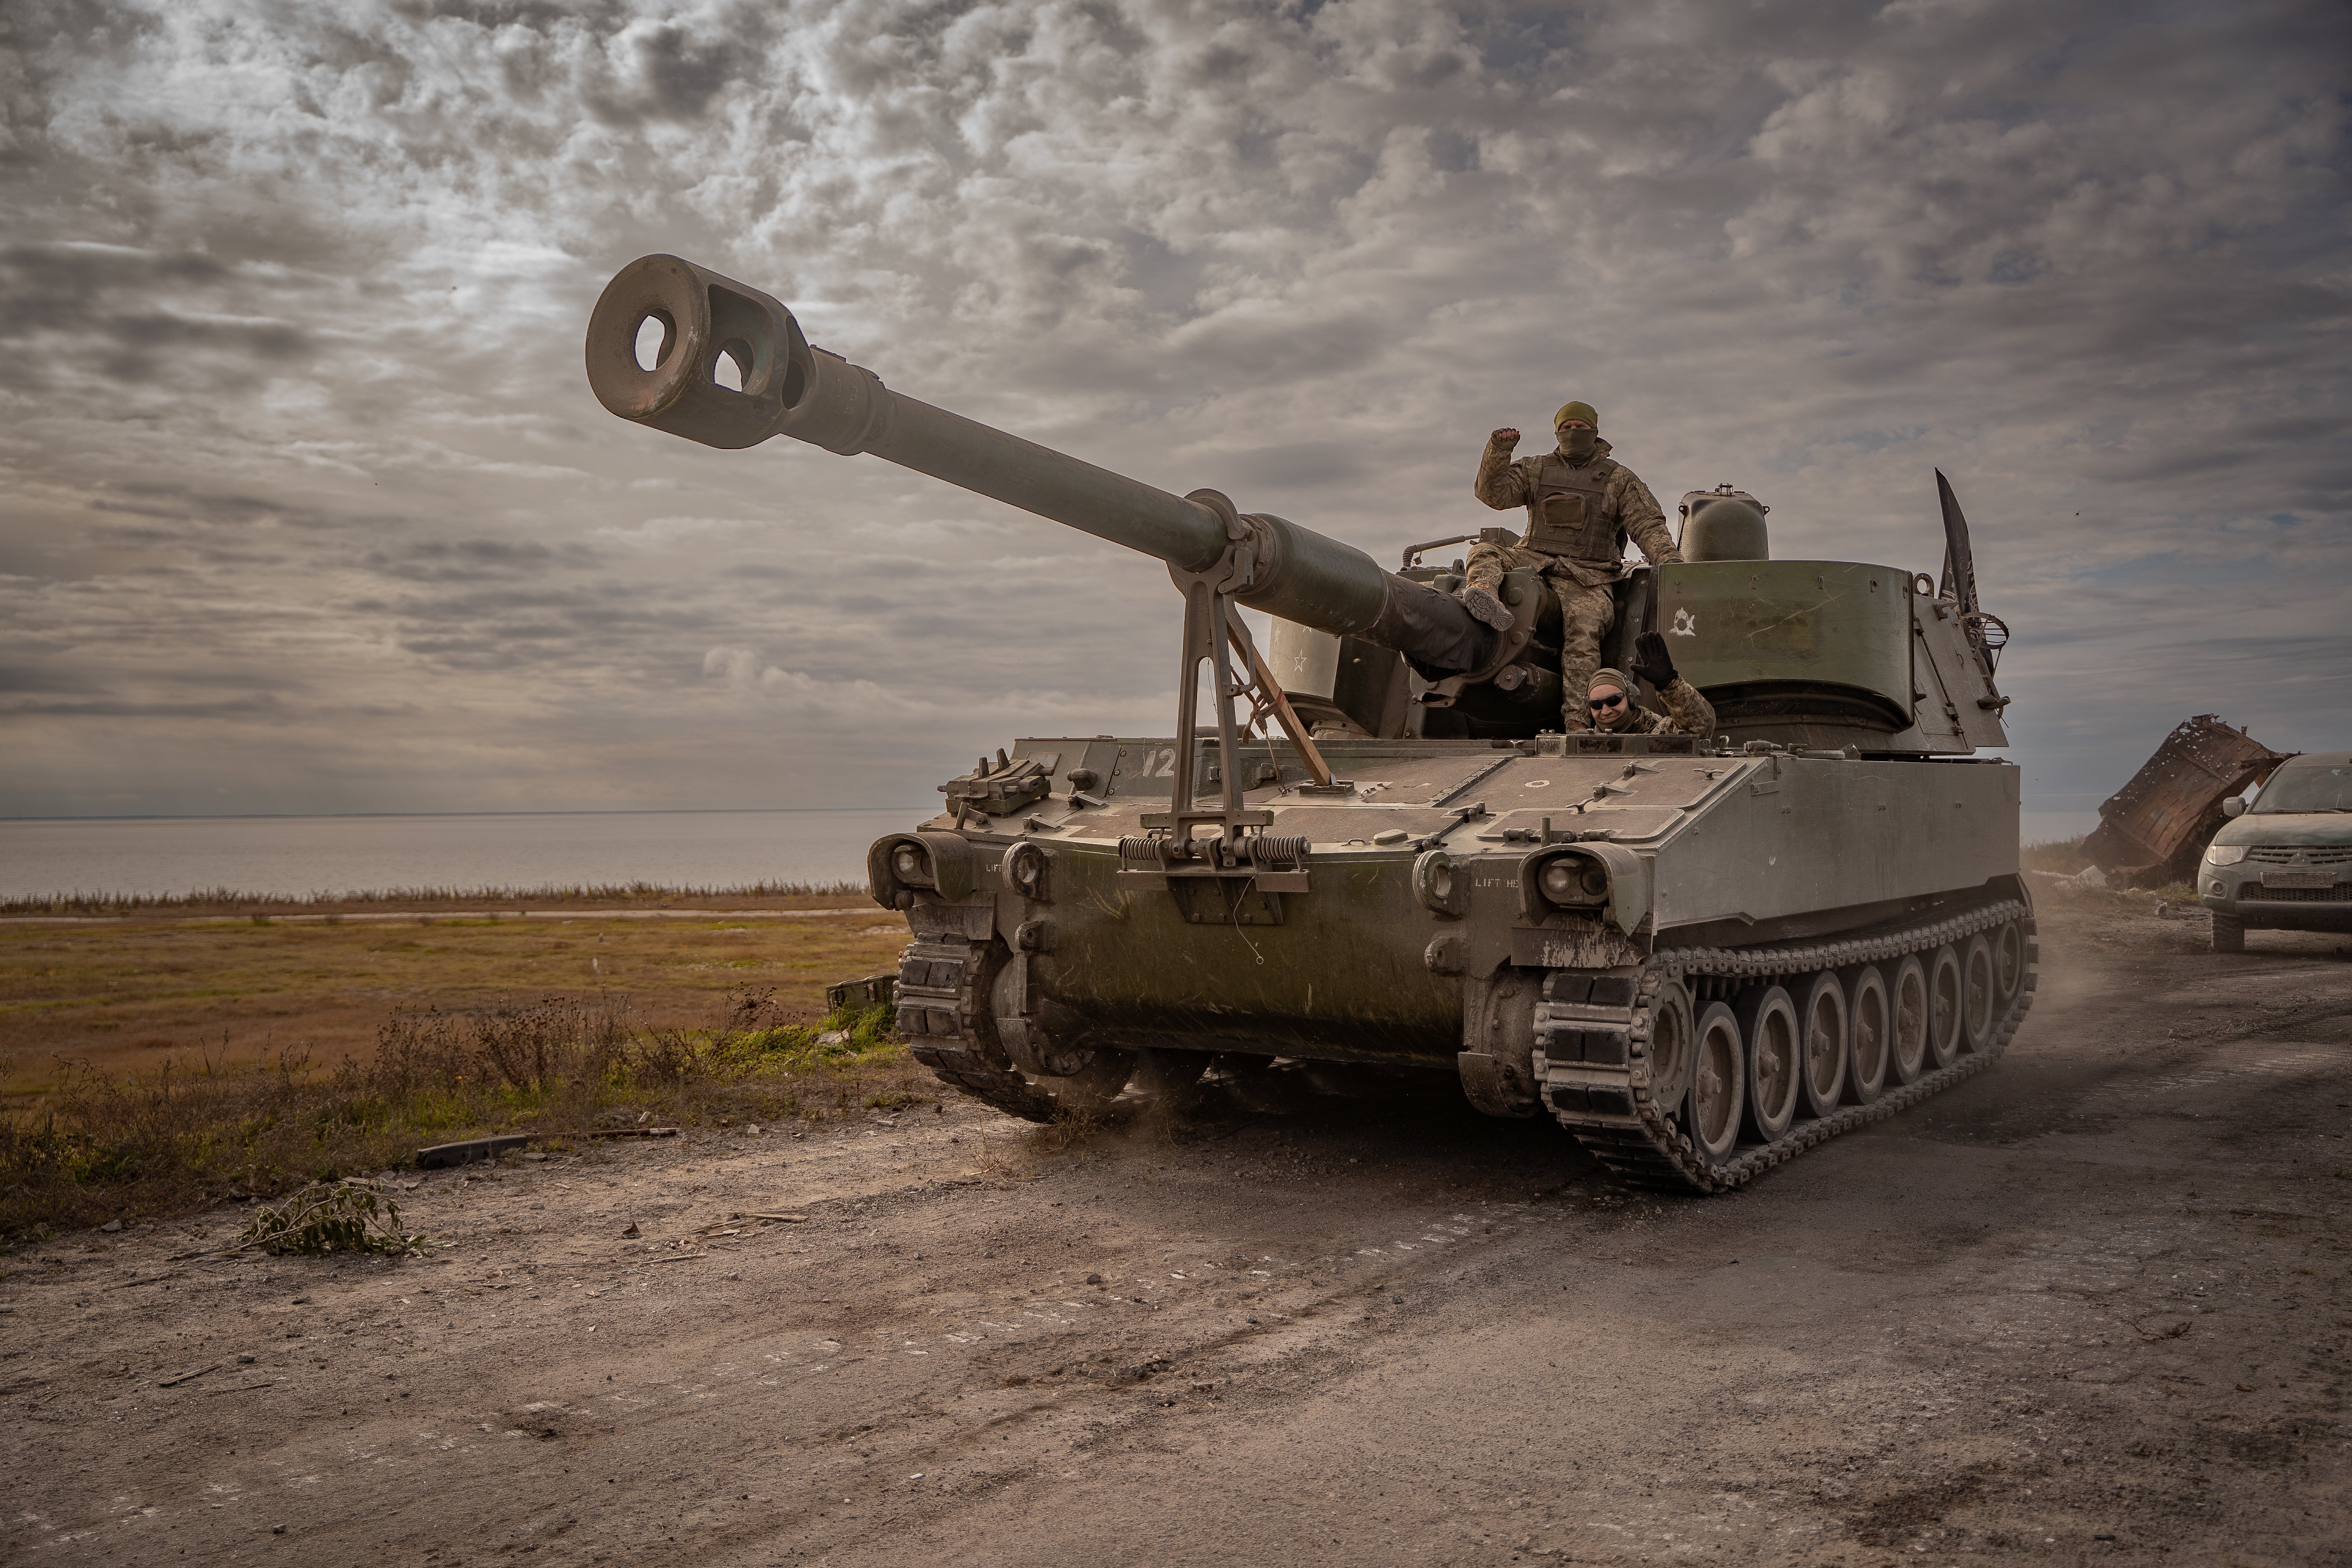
x=310 y=508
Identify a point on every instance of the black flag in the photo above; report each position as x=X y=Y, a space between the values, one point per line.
x=1959 y=564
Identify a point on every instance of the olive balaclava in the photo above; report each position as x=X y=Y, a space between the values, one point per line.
x=1577 y=446
x=1623 y=712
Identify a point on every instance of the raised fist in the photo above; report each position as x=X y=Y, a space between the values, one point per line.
x=1506 y=439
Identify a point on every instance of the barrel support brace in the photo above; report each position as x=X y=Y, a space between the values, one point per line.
x=1213 y=631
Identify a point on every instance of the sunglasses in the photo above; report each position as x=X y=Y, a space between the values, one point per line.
x=1596 y=703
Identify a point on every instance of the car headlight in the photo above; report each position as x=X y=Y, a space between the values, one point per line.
x=2225 y=854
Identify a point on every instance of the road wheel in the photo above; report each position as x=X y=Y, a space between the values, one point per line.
x=1768 y=1021
x=1671 y=1044
x=1907 y=1017
x=1872 y=1032
x=2229 y=933
x=1979 y=986
x=1946 y=1000
x=1822 y=1019
x=1718 y=1081
x=2007 y=960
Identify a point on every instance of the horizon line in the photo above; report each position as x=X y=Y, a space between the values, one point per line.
x=341 y=816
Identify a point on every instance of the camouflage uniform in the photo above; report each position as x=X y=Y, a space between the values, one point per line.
x=1688 y=713
x=1578 y=517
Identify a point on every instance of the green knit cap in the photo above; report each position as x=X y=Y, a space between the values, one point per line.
x=1583 y=411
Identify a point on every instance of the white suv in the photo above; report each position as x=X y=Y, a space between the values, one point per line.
x=2283 y=863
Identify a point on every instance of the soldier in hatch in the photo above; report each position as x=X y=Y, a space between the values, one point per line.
x=1581 y=505
x=1612 y=703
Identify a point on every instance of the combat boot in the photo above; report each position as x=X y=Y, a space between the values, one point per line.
x=1483 y=605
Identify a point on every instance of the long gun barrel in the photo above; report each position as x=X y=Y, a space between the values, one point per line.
x=792 y=388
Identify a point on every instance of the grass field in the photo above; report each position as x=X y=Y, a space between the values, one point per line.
x=156 y=1061
x=121 y=994
x=439 y=900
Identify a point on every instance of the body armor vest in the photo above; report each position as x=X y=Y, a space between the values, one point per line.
x=1568 y=510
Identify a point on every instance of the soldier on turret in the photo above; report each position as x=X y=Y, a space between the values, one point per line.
x=1581 y=505
x=1611 y=698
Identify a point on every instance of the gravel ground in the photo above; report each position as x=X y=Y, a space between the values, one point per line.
x=2089 y=1307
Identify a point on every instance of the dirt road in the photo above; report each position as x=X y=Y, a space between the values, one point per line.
x=2089 y=1307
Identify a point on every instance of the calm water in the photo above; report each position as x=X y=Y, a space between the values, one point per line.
x=301 y=854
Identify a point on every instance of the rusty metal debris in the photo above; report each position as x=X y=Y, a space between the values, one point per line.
x=2151 y=830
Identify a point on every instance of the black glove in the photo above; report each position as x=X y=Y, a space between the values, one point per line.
x=1651 y=661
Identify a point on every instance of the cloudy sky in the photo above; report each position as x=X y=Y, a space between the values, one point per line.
x=308 y=506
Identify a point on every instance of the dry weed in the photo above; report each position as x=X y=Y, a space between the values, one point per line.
x=1016 y=1154
x=1069 y=1128
x=1008 y=1159
x=332 y=1219
x=102 y=1146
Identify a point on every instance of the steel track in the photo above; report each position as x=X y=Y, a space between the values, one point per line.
x=943 y=990
x=944 y=1016
x=1637 y=1137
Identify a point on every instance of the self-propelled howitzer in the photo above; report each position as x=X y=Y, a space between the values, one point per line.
x=1700 y=953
